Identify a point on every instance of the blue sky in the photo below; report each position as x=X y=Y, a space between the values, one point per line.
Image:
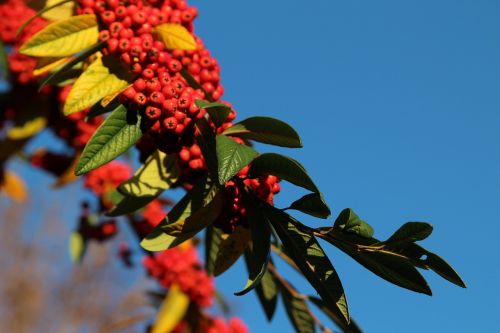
x=397 y=105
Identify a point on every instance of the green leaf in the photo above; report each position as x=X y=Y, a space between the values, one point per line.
x=258 y=256
x=231 y=157
x=67 y=68
x=156 y=175
x=429 y=260
x=351 y=328
x=177 y=228
x=230 y=249
x=298 y=312
x=63 y=38
x=213 y=239
x=411 y=232
x=310 y=258
x=312 y=204
x=441 y=267
x=218 y=112
x=205 y=137
x=267 y=293
x=266 y=130
x=102 y=78
x=172 y=311
x=349 y=222
x=389 y=266
x=282 y=167
x=116 y=135
x=4 y=64
x=77 y=247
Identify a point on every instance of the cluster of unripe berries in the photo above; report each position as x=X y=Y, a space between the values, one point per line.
x=181 y=266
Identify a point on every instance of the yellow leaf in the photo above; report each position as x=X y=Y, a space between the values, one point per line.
x=13 y=187
x=102 y=78
x=172 y=311
x=63 y=38
x=60 y=12
x=47 y=64
x=231 y=248
x=28 y=129
x=175 y=37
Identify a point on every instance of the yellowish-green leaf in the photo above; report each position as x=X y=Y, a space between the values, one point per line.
x=48 y=64
x=77 y=247
x=28 y=129
x=63 y=38
x=101 y=79
x=58 y=12
x=231 y=248
x=172 y=311
x=13 y=186
x=175 y=37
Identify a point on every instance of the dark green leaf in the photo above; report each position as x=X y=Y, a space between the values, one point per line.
x=390 y=266
x=59 y=74
x=258 y=256
x=116 y=135
x=4 y=64
x=218 y=112
x=213 y=239
x=185 y=220
x=298 y=312
x=351 y=328
x=312 y=204
x=349 y=222
x=267 y=292
x=231 y=247
x=232 y=157
x=158 y=173
x=205 y=137
x=410 y=232
x=308 y=255
x=266 y=130
x=282 y=167
x=441 y=267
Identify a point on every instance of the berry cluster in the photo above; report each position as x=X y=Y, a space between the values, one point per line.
x=14 y=13
x=234 y=213
x=107 y=177
x=181 y=266
x=91 y=228
x=213 y=325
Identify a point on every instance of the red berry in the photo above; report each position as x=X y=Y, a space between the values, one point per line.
x=157 y=97
x=152 y=112
x=170 y=123
x=129 y=92
x=174 y=65
x=108 y=17
x=184 y=155
x=148 y=74
x=140 y=84
x=140 y=99
x=153 y=85
x=195 y=150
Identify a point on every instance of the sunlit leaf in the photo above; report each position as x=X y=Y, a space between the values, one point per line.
x=102 y=78
x=172 y=311
x=58 y=9
x=27 y=129
x=232 y=157
x=175 y=37
x=116 y=135
x=77 y=247
x=13 y=186
x=63 y=38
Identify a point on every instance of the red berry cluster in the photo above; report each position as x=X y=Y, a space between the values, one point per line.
x=181 y=266
x=234 y=213
x=91 y=228
x=107 y=177
x=213 y=325
x=14 y=13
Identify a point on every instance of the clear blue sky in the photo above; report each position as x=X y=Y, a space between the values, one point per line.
x=397 y=103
